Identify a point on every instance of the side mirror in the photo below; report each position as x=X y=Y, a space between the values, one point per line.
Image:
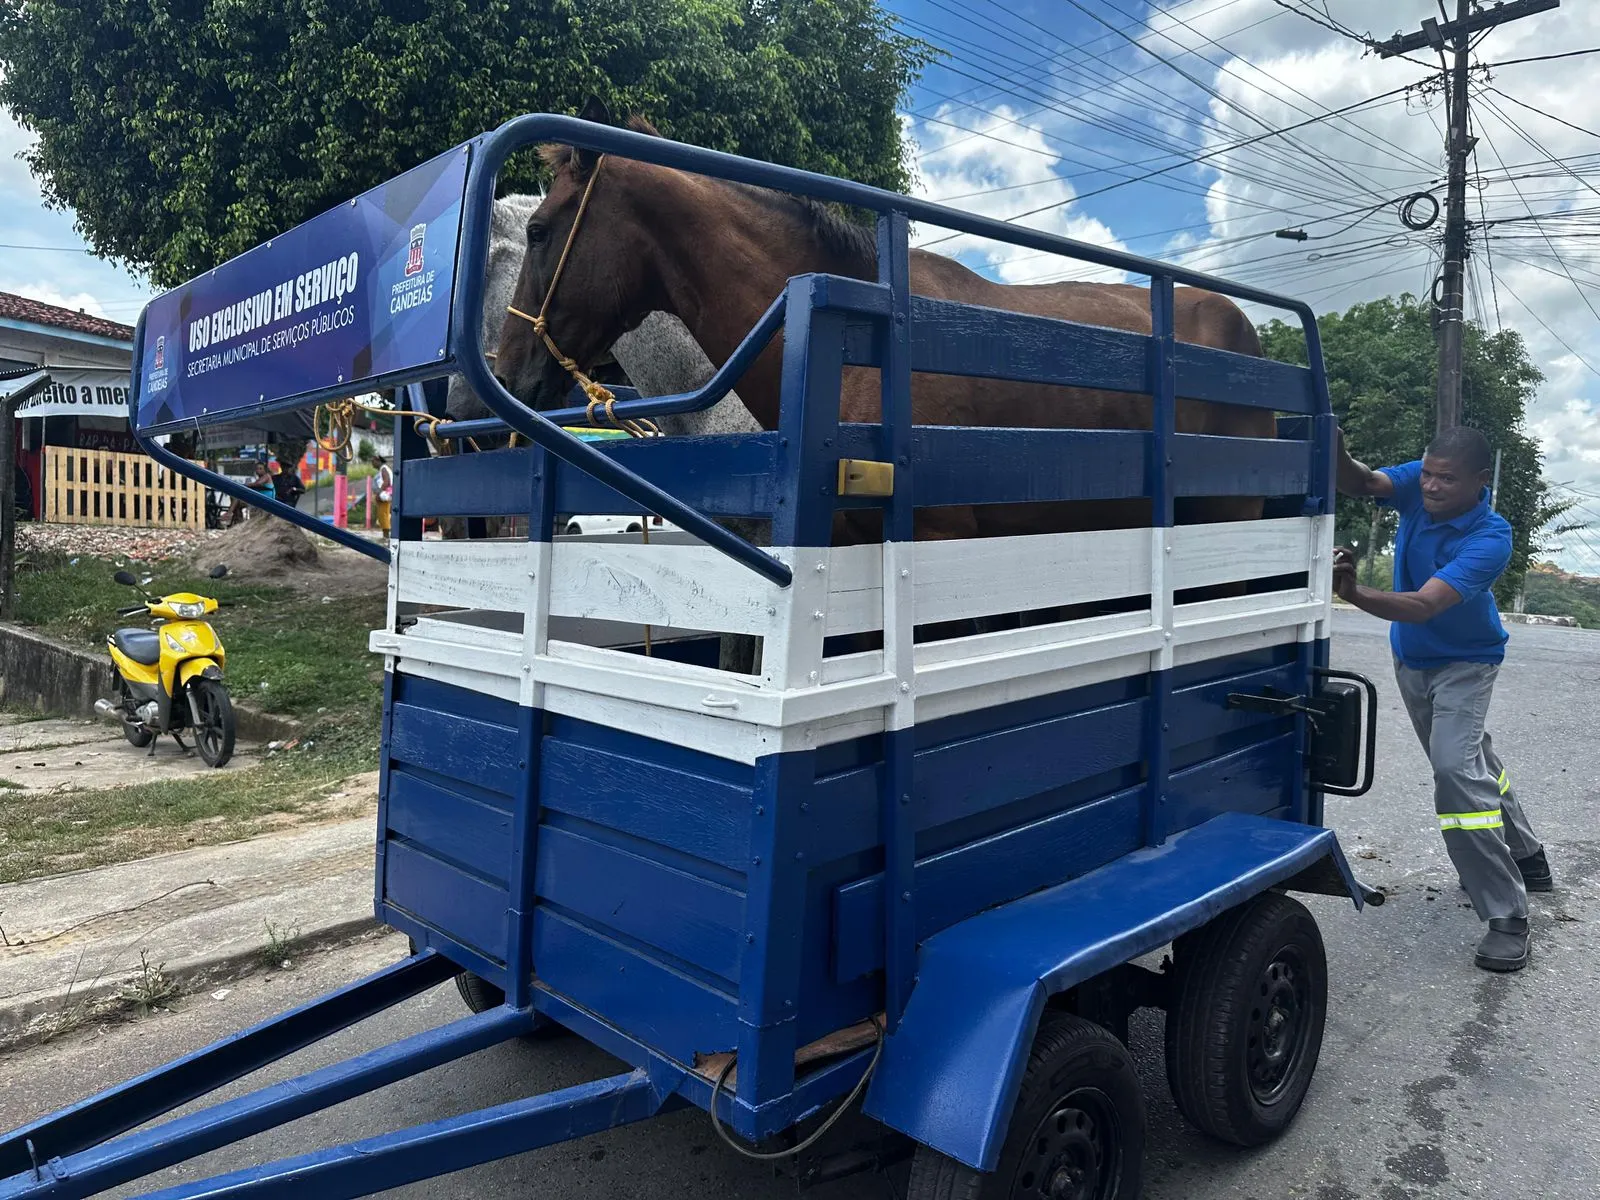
x=125 y=579
x=218 y=571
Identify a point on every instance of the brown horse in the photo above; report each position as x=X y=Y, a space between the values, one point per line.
x=715 y=254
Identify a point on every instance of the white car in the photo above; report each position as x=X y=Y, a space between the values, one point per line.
x=578 y=526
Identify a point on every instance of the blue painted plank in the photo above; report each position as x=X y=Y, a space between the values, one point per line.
x=1205 y=373
x=724 y=476
x=1257 y=779
x=965 y=465
x=966 y=778
x=948 y=338
x=701 y=816
x=1203 y=465
x=689 y=918
x=1201 y=712
x=665 y=1009
x=965 y=881
x=470 y=834
x=477 y=752
x=460 y=905
x=463 y=702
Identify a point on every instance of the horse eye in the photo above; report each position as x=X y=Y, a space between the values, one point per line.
x=538 y=235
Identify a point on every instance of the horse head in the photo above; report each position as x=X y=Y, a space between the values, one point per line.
x=585 y=277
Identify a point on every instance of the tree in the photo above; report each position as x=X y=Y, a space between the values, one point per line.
x=182 y=132
x=1381 y=365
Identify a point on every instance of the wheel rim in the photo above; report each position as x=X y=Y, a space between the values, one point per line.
x=209 y=735
x=1280 y=1025
x=1075 y=1153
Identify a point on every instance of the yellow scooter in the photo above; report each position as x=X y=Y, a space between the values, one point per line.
x=170 y=678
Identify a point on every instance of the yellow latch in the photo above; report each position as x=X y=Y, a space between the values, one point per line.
x=864 y=477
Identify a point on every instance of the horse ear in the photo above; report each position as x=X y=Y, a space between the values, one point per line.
x=595 y=110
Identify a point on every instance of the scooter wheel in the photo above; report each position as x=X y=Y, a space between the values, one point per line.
x=214 y=734
x=138 y=736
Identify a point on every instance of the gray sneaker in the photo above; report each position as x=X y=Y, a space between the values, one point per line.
x=1505 y=946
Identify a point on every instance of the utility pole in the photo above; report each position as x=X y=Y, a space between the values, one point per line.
x=1451 y=289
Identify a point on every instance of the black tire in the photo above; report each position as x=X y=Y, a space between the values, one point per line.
x=1245 y=1027
x=1077 y=1132
x=635 y=529
x=138 y=736
x=213 y=736
x=481 y=995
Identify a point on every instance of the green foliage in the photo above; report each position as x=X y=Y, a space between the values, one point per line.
x=1558 y=594
x=1382 y=363
x=233 y=120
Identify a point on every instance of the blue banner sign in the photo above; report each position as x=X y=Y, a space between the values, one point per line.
x=358 y=295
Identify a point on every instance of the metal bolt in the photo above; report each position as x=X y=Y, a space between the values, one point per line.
x=526 y=667
x=905 y=687
x=756 y=861
x=905 y=797
x=761 y=811
x=805 y=806
x=750 y=939
x=1165 y=728
x=905 y=573
x=820 y=568
x=899 y=318
x=1169 y=549
x=771 y=611
x=818 y=615
x=905 y=896
x=799 y=855
x=1168 y=635
x=812 y=677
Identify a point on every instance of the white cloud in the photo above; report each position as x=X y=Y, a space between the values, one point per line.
x=46 y=293
x=1003 y=168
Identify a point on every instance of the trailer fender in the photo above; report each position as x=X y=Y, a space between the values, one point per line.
x=950 y=1071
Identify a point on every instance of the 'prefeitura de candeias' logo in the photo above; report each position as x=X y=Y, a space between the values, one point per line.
x=414 y=259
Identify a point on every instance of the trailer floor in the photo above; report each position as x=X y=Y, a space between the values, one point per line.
x=1437 y=1080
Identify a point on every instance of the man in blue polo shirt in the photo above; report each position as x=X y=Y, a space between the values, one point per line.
x=1448 y=644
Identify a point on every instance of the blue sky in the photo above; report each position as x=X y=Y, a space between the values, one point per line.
x=1038 y=106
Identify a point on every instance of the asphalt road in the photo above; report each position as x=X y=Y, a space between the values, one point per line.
x=1436 y=1080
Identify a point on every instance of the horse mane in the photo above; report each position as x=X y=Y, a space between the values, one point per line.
x=835 y=232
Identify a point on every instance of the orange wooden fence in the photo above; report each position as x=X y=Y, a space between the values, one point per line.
x=101 y=487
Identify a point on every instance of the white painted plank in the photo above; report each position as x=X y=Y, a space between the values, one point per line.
x=1228 y=647
x=1045 y=683
x=978 y=577
x=680 y=587
x=1206 y=555
x=502 y=687
x=464 y=574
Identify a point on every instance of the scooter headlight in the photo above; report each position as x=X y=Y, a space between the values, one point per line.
x=189 y=612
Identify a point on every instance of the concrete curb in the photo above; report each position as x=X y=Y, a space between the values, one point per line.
x=42 y=674
x=76 y=943
x=40 y=1017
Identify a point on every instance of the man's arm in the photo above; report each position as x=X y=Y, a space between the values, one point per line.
x=1356 y=478
x=1409 y=607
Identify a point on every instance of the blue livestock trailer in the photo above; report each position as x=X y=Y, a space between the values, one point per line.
x=929 y=875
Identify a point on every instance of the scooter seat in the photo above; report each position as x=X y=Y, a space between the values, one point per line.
x=141 y=645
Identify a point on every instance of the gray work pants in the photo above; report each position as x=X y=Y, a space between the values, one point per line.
x=1483 y=825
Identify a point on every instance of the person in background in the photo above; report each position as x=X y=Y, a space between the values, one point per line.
x=383 y=489
x=1448 y=644
x=286 y=485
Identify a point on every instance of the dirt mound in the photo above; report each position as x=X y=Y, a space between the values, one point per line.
x=268 y=550
x=260 y=548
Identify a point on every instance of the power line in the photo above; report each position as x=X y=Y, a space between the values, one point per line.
x=1595 y=371
x=1540 y=111
x=1514 y=62
x=1206 y=157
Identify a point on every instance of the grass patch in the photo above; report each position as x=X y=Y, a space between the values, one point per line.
x=285 y=653
x=47 y=832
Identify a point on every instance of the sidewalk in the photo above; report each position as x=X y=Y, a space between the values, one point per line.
x=73 y=943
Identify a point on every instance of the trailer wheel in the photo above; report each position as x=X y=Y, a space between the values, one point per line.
x=1077 y=1132
x=481 y=995
x=1245 y=1026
